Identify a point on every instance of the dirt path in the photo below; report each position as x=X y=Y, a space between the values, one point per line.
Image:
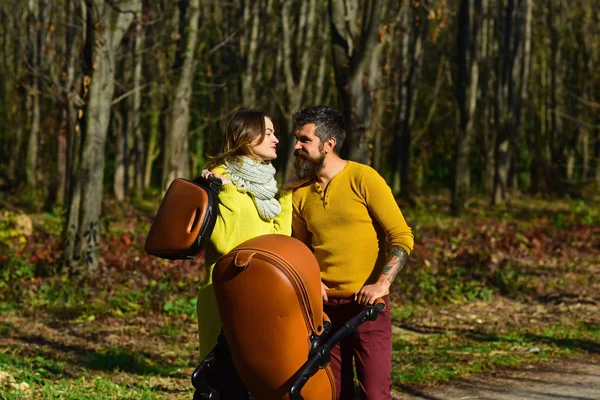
x=577 y=379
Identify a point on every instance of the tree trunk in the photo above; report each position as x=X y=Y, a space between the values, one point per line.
x=413 y=49
x=12 y=94
x=153 y=149
x=72 y=102
x=597 y=153
x=68 y=113
x=119 y=129
x=37 y=25
x=468 y=44
x=514 y=74
x=249 y=49
x=302 y=29
x=540 y=143
x=548 y=146
x=176 y=154
x=105 y=27
x=488 y=98
x=555 y=129
x=505 y=95
x=356 y=49
x=135 y=107
x=61 y=164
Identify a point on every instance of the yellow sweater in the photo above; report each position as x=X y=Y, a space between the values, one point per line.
x=237 y=221
x=347 y=226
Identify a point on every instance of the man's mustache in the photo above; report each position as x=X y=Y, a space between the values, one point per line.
x=300 y=153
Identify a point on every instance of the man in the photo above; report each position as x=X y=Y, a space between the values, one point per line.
x=347 y=214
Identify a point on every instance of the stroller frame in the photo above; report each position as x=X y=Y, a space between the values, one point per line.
x=318 y=358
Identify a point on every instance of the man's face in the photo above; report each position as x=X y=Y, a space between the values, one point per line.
x=308 y=151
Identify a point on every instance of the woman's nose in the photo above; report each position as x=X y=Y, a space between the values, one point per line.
x=275 y=140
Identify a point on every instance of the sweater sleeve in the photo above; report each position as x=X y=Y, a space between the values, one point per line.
x=223 y=236
x=283 y=222
x=299 y=229
x=380 y=201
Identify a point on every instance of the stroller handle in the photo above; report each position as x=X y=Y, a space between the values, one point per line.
x=348 y=294
x=321 y=355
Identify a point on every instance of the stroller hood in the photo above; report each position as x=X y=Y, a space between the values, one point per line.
x=268 y=290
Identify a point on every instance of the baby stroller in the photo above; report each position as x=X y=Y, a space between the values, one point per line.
x=268 y=292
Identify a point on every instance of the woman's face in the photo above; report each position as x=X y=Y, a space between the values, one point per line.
x=267 y=150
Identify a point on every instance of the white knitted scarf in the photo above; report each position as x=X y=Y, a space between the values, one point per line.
x=258 y=178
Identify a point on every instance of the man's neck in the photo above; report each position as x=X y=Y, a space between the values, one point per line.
x=333 y=165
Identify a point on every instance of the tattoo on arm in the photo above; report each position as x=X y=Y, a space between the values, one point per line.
x=395 y=263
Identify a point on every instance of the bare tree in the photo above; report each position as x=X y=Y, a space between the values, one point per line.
x=13 y=93
x=356 y=26
x=135 y=105
x=176 y=148
x=515 y=50
x=130 y=148
x=106 y=23
x=65 y=72
x=414 y=28
x=250 y=39
x=298 y=54
x=468 y=47
x=38 y=15
x=487 y=101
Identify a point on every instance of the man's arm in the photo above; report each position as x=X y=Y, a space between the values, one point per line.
x=384 y=208
x=395 y=263
x=300 y=231
x=396 y=260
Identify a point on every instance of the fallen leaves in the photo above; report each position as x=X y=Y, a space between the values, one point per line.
x=7 y=381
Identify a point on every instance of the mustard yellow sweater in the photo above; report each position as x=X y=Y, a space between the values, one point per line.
x=348 y=224
x=237 y=221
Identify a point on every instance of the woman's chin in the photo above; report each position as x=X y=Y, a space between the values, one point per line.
x=269 y=158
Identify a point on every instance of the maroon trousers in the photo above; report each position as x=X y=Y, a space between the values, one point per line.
x=370 y=348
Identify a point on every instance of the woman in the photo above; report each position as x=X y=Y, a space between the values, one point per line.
x=250 y=205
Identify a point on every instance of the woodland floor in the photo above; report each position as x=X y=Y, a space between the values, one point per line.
x=495 y=299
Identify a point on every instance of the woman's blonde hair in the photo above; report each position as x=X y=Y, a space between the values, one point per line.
x=242 y=130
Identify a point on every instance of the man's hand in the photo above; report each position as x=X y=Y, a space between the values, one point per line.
x=369 y=293
x=206 y=173
x=324 y=290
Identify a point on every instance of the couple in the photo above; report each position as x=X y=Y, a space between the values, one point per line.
x=344 y=211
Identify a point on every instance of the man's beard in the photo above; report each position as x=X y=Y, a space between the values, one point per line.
x=307 y=167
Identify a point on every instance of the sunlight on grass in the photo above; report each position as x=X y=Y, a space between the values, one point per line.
x=470 y=287
x=22 y=376
x=434 y=213
x=83 y=389
x=441 y=357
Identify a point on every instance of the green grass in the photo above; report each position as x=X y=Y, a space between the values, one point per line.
x=82 y=389
x=114 y=373
x=439 y=357
x=523 y=211
x=455 y=269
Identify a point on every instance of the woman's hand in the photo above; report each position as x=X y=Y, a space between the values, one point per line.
x=225 y=181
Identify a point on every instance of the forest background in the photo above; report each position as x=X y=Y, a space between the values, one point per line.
x=482 y=115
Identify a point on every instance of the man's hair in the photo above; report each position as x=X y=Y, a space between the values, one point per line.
x=328 y=121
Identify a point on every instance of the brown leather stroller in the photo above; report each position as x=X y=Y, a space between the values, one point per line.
x=268 y=292
x=269 y=297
